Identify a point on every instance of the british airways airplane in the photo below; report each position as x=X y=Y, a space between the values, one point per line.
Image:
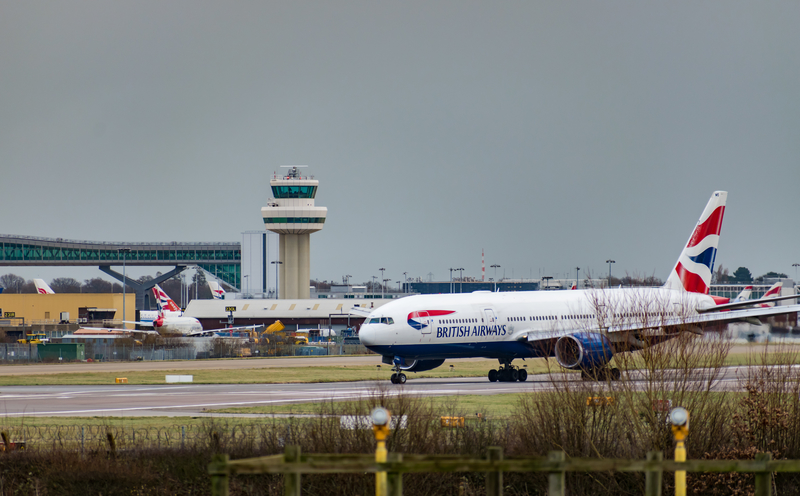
x=582 y=329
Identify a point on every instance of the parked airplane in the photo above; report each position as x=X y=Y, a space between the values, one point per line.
x=582 y=328
x=171 y=309
x=42 y=287
x=187 y=326
x=216 y=290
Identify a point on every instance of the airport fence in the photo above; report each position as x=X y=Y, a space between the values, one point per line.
x=18 y=352
x=292 y=464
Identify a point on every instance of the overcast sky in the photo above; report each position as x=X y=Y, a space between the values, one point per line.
x=550 y=134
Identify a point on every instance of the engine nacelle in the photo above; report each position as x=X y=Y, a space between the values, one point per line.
x=583 y=350
x=412 y=365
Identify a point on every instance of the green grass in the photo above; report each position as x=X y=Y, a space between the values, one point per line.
x=285 y=375
x=468 y=405
x=306 y=374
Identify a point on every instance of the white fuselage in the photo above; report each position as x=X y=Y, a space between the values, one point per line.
x=180 y=325
x=509 y=325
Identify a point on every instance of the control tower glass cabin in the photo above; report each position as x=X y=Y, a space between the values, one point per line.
x=291 y=213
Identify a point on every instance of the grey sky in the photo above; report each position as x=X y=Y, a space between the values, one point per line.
x=550 y=134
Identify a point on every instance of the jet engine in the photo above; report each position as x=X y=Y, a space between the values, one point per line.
x=412 y=365
x=583 y=350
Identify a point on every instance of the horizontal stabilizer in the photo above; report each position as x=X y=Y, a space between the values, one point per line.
x=744 y=304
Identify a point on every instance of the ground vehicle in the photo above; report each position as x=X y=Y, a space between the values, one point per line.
x=277 y=327
x=34 y=338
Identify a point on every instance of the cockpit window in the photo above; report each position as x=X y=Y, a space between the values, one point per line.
x=381 y=320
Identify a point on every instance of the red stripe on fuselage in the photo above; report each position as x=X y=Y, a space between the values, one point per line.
x=710 y=226
x=429 y=313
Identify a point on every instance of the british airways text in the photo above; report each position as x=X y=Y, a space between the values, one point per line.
x=467 y=331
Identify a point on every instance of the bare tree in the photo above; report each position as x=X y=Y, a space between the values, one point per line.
x=12 y=283
x=97 y=285
x=65 y=285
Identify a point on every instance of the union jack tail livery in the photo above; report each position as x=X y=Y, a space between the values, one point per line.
x=216 y=290
x=42 y=287
x=693 y=270
x=164 y=302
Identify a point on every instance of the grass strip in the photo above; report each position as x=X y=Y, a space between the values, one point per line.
x=311 y=374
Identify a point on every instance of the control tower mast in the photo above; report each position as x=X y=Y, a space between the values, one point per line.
x=291 y=213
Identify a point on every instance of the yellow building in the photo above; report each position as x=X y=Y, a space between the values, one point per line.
x=38 y=308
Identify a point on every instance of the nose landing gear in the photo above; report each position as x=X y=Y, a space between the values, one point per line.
x=508 y=373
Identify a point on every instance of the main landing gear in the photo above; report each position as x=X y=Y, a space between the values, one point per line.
x=398 y=378
x=508 y=373
x=601 y=374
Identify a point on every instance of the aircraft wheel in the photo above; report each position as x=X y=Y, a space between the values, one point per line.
x=514 y=375
x=523 y=375
x=615 y=374
x=401 y=378
x=493 y=375
x=394 y=379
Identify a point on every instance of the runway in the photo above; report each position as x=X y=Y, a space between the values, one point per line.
x=196 y=400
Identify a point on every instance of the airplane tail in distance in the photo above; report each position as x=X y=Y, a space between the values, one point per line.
x=42 y=287
x=164 y=302
x=744 y=295
x=216 y=290
x=772 y=292
x=693 y=270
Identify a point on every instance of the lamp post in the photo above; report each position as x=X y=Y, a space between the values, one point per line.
x=124 y=252
x=577 y=277
x=495 y=266
x=795 y=265
x=451 y=279
x=460 y=279
x=609 y=262
x=347 y=281
x=277 y=265
x=405 y=281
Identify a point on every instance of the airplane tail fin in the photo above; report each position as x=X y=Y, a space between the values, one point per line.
x=42 y=287
x=163 y=301
x=695 y=266
x=216 y=290
x=772 y=292
x=744 y=295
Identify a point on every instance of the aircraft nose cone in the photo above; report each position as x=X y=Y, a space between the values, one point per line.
x=367 y=335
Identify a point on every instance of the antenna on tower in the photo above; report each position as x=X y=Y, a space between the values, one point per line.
x=293 y=174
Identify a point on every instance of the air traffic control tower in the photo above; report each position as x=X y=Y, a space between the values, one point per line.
x=291 y=213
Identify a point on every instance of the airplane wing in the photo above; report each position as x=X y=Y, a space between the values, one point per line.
x=108 y=329
x=692 y=323
x=144 y=323
x=209 y=332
